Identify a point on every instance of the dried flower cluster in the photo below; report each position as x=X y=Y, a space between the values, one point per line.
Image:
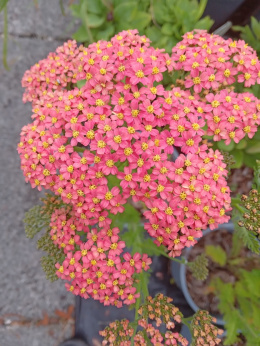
x=123 y=123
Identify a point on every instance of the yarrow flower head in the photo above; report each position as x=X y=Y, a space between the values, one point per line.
x=123 y=123
x=158 y=310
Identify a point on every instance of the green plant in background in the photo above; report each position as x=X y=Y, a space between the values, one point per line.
x=163 y=21
x=3 y=7
x=246 y=152
x=38 y=219
x=246 y=214
x=238 y=294
x=250 y=33
x=240 y=306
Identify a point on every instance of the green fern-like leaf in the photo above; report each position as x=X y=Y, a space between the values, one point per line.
x=249 y=239
x=48 y=266
x=35 y=221
x=199 y=267
x=54 y=255
x=45 y=243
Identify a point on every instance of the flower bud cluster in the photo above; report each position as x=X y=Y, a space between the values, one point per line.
x=158 y=310
x=204 y=332
x=251 y=219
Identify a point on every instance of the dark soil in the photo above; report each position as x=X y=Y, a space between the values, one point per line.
x=240 y=180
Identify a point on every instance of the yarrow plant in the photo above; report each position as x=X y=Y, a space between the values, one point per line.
x=102 y=136
x=160 y=312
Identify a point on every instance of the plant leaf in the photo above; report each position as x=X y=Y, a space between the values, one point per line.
x=125 y=11
x=140 y=20
x=96 y=7
x=248 y=238
x=256 y=27
x=81 y=34
x=226 y=147
x=81 y=83
x=255 y=149
x=95 y=21
x=217 y=254
x=238 y=156
x=204 y=23
x=106 y=33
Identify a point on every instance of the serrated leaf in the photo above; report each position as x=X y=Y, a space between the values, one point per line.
x=35 y=221
x=252 y=280
x=113 y=181
x=151 y=249
x=225 y=293
x=231 y=325
x=236 y=245
x=129 y=217
x=248 y=238
x=217 y=254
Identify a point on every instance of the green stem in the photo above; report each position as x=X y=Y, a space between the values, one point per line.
x=5 y=39
x=238 y=207
x=152 y=15
x=137 y=306
x=181 y=261
x=186 y=321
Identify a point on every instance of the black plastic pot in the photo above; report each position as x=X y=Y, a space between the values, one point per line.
x=238 y=12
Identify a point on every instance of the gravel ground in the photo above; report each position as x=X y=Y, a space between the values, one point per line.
x=32 y=310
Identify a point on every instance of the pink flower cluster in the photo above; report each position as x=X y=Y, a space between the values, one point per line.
x=210 y=61
x=53 y=73
x=123 y=123
x=232 y=116
x=96 y=267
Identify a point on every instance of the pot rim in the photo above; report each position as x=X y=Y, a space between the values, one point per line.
x=229 y=226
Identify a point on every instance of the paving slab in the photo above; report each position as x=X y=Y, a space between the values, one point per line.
x=24 y=290
x=40 y=18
